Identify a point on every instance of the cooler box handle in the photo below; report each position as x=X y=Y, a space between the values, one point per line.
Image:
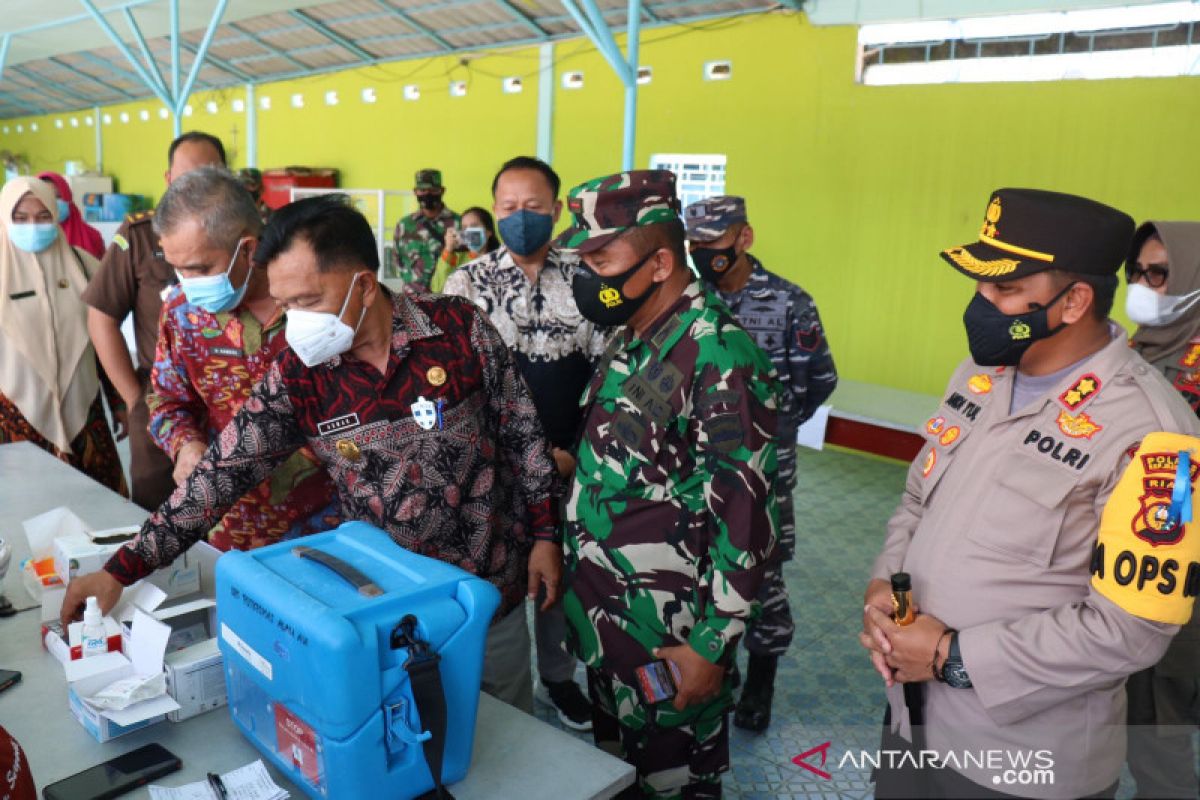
x=351 y=575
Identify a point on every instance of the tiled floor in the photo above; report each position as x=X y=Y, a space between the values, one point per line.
x=826 y=690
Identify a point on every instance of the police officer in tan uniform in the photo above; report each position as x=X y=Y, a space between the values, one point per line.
x=1028 y=628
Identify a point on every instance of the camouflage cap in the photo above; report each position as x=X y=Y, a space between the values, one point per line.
x=604 y=208
x=708 y=219
x=428 y=179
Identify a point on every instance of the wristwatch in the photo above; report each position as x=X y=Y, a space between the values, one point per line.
x=954 y=673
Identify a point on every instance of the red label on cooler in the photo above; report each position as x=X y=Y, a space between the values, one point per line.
x=296 y=743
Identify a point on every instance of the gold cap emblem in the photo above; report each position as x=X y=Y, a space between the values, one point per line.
x=991 y=218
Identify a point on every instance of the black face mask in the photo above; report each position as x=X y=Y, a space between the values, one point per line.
x=714 y=264
x=429 y=201
x=601 y=299
x=997 y=339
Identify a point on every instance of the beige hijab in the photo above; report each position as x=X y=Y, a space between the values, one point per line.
x=47 y=366
x=1163 y=345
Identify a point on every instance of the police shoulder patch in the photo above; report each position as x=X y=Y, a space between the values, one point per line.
x=1147 y=557
x=1081 y=391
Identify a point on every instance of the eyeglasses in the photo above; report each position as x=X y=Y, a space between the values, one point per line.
x=1154 y=276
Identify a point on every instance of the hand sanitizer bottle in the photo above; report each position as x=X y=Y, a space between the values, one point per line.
x=94 y=640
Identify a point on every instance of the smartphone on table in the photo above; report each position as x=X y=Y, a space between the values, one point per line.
x=116 y=776
x=9 y=678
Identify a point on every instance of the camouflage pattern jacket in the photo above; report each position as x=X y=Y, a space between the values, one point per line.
x=784 y=322
x=671 y=514
x=419 y=242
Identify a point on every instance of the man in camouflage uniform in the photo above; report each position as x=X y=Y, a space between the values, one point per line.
x=420 y=237
x=783 y=319
x=671 y=515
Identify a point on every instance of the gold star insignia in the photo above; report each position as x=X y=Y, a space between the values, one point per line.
x=1073 y=396
x=1087 y=386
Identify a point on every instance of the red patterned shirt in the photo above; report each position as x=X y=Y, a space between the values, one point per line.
x=443 y=450
x=204 y=368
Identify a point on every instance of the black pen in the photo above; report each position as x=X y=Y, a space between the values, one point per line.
x=218 y=787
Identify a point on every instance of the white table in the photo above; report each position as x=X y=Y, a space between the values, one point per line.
x=515 y=755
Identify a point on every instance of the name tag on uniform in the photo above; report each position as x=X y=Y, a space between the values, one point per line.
x=338 y=424
x=647 y=400
x=765 y=322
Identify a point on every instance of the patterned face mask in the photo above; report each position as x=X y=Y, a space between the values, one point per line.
x=601 y=299
x=526 y=231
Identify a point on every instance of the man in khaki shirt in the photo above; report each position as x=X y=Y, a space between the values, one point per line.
x=999 y=520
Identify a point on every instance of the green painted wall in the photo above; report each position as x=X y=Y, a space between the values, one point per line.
x=853 y=190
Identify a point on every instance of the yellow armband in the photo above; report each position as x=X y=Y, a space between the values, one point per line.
x=1147 y=556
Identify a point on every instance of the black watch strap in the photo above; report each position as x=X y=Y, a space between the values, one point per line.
x=954 y=672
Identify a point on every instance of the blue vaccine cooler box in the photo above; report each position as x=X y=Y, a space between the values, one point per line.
x=333 y=645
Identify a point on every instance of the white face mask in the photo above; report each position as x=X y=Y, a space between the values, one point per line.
x=318 y=336
x=1147 y=307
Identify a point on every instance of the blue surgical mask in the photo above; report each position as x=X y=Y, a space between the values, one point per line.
x=64 y=210
x=32 y=237
x=215 y=293
x=526 y=231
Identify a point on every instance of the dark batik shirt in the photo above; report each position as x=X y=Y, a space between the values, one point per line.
x=444 y=450
x=555 y=347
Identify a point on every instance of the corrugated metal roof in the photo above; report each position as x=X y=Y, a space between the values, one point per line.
x=293 y=38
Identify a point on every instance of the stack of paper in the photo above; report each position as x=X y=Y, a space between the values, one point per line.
x=251 y=782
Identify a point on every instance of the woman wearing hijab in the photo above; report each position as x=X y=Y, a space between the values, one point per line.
x=49 y=385
x=1163 y=272
x=1164 y=300
x=79 y=233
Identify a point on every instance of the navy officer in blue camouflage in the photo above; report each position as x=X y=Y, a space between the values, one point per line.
x=783 y=319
